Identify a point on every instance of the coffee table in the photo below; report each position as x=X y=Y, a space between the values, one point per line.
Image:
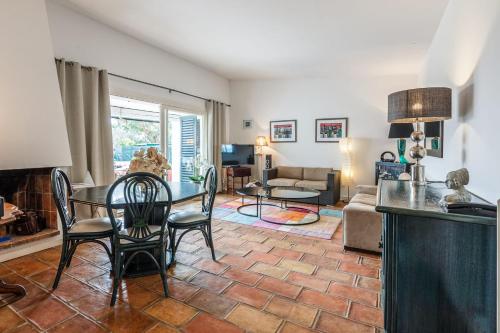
x=281 y=193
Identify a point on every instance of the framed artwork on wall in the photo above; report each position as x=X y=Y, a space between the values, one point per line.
x=283 y=130
x=247 y=124
x=331 y=129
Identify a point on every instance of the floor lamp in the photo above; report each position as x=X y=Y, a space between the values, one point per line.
x=260 y=142
x=345 y=149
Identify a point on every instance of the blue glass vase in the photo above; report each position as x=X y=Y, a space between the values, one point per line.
x=401 y=150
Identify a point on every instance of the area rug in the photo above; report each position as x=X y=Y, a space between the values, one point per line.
x=324 y=228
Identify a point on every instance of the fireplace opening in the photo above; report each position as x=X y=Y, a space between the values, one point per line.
x=30 y=191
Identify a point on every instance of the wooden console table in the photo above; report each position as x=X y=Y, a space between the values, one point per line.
x=238 y=172
x=439 y=268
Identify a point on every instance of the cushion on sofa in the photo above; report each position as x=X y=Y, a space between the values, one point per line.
x=316 y=173
x=282 y=182
x=290 y=172
x=366 y=199
x=320 y=185
x=367 y=189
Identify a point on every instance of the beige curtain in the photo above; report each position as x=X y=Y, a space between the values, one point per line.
x=85 y=96
x=216 y=130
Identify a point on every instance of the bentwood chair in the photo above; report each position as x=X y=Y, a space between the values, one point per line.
x=196 y=221
x=75 y=232
x=147 y=200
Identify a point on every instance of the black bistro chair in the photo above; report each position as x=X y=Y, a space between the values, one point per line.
x=147 y=200
x=196 y=221
x=75 y=232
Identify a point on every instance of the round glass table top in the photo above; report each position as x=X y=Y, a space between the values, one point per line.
x=279 y=192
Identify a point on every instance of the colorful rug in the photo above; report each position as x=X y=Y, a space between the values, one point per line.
x=324 y=228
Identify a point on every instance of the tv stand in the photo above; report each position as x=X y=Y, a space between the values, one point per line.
x=237 y=172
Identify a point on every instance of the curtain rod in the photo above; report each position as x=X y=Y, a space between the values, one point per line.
x=170 y=90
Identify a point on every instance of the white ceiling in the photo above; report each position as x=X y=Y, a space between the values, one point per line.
x=251 y=39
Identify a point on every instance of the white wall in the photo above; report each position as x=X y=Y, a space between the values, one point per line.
x=80 y=38
x=362 y=99
x=465 y=56
x=33 y=133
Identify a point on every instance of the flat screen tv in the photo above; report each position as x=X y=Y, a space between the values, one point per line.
x=238 y=154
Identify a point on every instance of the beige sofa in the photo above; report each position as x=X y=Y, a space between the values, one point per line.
x=325 y=180
x=362 y=225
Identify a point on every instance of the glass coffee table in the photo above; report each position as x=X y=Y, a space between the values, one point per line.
x=281 y=193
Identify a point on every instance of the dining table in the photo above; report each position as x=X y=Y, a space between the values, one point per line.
x=95 y=197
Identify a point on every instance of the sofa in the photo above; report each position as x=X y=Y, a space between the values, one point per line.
x=325 y=180
x=362 y=225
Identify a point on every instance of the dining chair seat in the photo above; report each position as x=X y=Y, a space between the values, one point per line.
x=186 y=218
x=95 y=225
x=128 y=232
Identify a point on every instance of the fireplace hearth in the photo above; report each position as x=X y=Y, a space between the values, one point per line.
x=29 y=190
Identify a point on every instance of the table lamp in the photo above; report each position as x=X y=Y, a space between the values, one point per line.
x=260 y=142
x=401 y=132
x=418 y=106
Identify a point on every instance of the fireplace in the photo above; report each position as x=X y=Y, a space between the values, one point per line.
x=30 y=190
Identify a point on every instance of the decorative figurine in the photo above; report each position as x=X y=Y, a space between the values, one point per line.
x=149 y=161
x=456 y=180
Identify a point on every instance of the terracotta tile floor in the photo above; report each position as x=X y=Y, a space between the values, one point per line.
x=264 y=281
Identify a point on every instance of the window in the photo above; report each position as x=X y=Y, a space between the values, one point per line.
x=135 y=125
x=138 y=125
x=184 y=144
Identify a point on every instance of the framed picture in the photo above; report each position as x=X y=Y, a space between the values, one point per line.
x=283 y=130
x=247 y=124
x=331 y=129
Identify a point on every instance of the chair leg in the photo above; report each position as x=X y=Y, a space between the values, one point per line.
x=163 y=269
x=112 y=257
x=206 y=237
x=71 y=251
x=210 y=241
x=173 y=247
x=117 y=276
x=62 y=262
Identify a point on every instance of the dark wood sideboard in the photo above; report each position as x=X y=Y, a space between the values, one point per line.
x=439 y=269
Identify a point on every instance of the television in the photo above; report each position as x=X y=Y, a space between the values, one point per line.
x=238 y=154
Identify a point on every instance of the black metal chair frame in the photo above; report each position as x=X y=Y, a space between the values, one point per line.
x=205 y=225
x=141 y=209
x=61 y=191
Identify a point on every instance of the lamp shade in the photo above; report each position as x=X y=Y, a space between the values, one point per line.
x=261 y=141
x=400 y=131
x=420 y=105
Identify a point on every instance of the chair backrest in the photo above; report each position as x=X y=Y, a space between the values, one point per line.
x=146 y=198
x=210 y=185
x=61 y=191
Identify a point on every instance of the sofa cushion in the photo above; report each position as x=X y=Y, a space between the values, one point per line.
x=320 y=185
x=367 y=189
x=317 y=173
x=282 y=182
x=290 y=172
x=366 y=199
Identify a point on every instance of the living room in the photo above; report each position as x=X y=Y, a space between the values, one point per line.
x=318 y=226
